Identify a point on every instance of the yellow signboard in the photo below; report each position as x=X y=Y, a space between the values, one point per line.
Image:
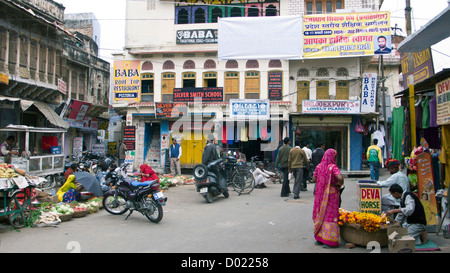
x=346 y=34
x=127 y=81
x=4 y=78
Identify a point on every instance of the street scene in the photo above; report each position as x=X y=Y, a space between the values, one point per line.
x=190 y=127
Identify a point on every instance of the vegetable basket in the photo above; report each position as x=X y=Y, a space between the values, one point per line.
x=80 y=213
x=65 y=217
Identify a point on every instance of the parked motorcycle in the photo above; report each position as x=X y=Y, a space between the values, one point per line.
x=211 y=180
x=129 y=194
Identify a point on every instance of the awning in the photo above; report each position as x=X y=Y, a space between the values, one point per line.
x=44 y=108
x=431 y=33
x=50 y=114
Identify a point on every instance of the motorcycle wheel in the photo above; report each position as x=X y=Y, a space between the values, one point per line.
x=226 y=193
x=157 y=214
x=113 y=205
x=209 y=197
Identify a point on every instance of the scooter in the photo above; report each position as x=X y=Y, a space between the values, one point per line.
x=211 y=180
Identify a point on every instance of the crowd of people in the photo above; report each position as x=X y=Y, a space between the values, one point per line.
x=328 y=185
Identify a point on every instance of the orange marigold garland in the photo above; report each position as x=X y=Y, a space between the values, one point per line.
x=369 y=221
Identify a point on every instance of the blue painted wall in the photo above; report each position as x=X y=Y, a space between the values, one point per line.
x=356 y=148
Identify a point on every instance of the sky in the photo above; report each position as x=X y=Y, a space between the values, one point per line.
x=111 y=16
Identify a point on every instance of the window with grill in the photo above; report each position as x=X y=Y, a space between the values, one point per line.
x=302 y=94
x=147 y=87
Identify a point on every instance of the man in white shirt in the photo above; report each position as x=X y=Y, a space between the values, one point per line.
x=411 y=214
x=261 y=176
x=388 y=201
x=306 y=170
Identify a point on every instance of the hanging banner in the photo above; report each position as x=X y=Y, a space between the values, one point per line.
x=127 y=81
x=346 y=34
x=443 y=102
x=425 y=187
x=369 y=92
x=265 y=37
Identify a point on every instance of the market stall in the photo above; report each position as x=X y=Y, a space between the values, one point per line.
x=45 y=160
x=16 y=193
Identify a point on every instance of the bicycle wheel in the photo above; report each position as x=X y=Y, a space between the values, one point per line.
x=19 y=209
x=243 y=181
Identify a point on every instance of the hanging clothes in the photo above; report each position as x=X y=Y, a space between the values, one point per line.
x=398 y=120
x=444 y=156
x=425 y=112
x=264 y=133
x=230 y=134
x=433 y=112
x=406 y=141
x=224 y=134
x=419 y=116
x=244 y=137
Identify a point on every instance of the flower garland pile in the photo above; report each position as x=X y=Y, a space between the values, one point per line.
x=369 y=221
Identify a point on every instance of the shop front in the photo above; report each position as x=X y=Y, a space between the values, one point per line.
x=333 y=124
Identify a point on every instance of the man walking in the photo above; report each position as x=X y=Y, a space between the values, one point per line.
x=282 y=158
x=306 y=170
x=175 y=154
x=375 y=160
x=297 y=159
x=122 y=150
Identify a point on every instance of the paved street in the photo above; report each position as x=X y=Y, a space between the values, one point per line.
x=262 y=222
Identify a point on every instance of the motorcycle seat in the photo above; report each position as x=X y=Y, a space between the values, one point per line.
x=143 y=184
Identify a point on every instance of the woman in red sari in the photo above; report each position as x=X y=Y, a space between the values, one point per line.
x=329 y=180
x=147 y=173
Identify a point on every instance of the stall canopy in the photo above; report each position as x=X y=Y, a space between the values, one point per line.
x=431 y=33
x=44 y=108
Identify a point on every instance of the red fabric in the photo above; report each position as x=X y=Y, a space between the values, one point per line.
x=67 y=173
x=146 y=169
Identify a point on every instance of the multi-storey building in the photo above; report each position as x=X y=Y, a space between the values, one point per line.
x=172 y=45
x=47 y=68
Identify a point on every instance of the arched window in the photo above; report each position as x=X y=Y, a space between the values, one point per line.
x=236 y=12
x=342 y=72
x=147 y=65
x=209 y=64
x=183 y=15
x=168 y=65
x=322 y=72
x=215 y=14
x=303 y=72
x=253 y=11
x=275 y=64
x=271 y=10
x=232 y=64
x=252 y=64
x=189 y=64
x=199 y=15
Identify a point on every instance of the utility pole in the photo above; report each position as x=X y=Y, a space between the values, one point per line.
x=412 y=106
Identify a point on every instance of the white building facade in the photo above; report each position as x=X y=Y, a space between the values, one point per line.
x=174 y=45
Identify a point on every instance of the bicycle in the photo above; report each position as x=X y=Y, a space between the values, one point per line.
x=239 y=176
